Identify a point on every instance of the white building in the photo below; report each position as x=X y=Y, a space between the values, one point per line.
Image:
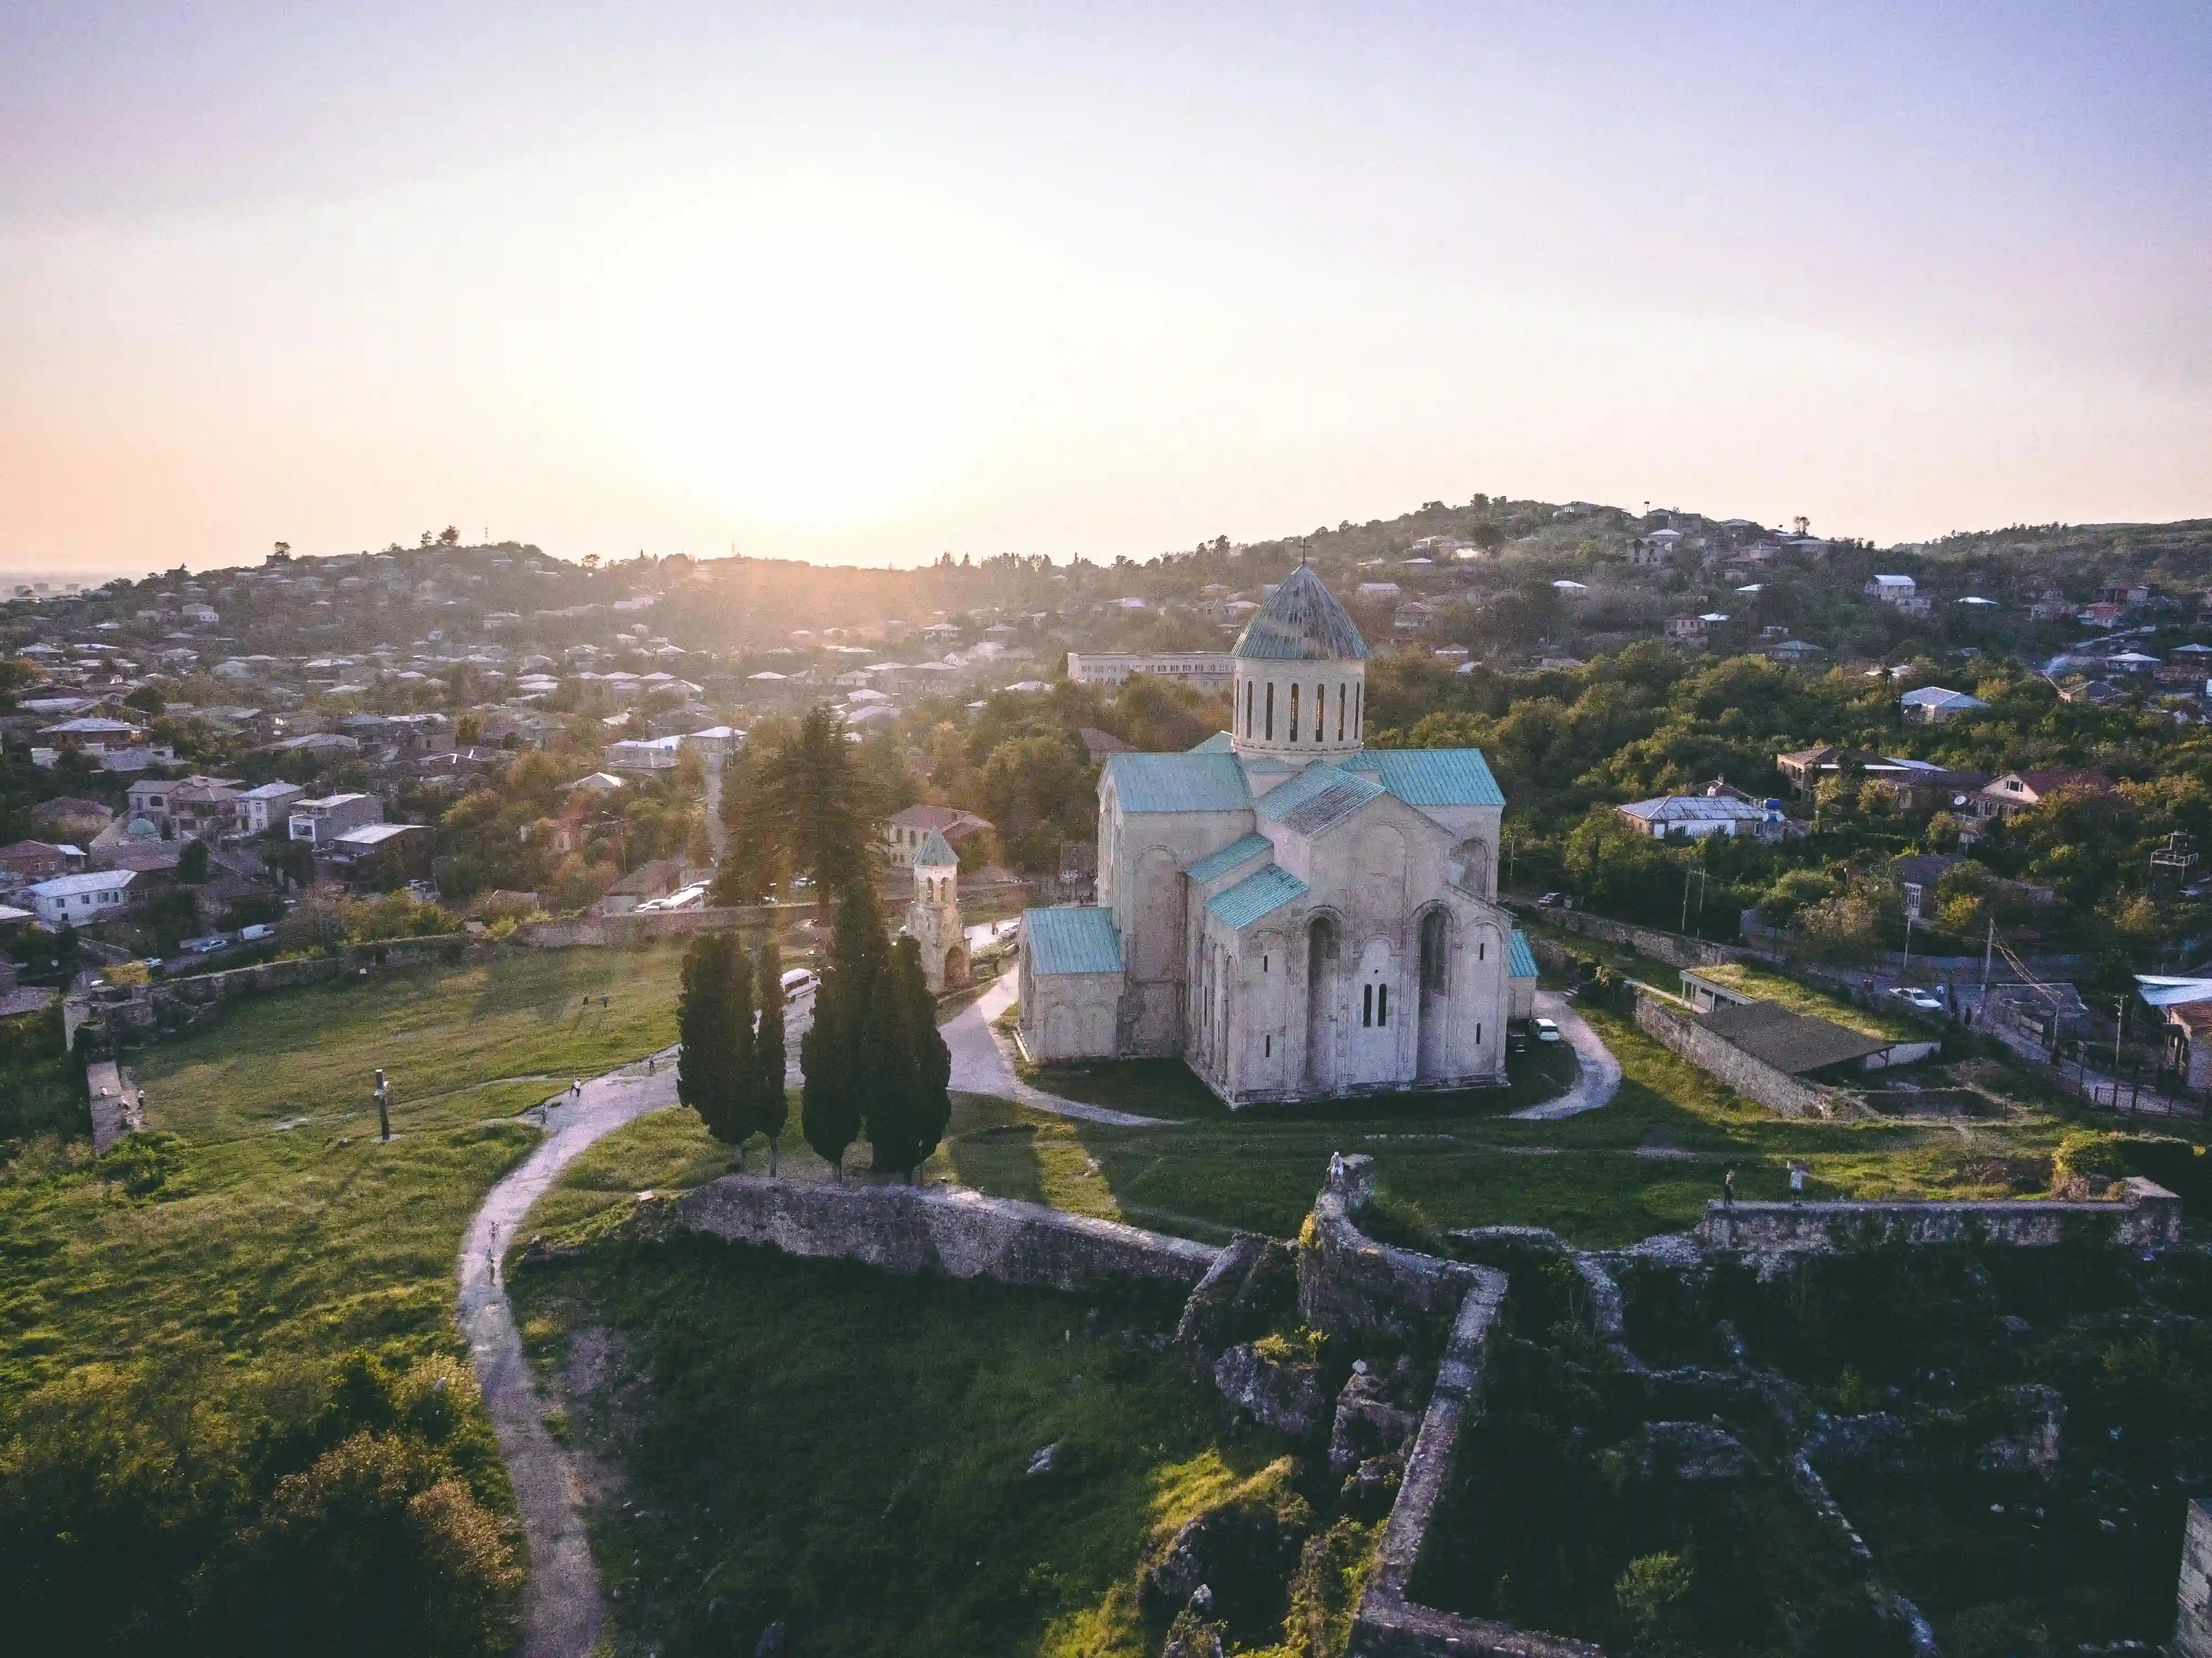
x=1695 y=816
x=1932 y=705
x=1207 y=670
x=257 y=811
x=1294 y=916
x=73 y=899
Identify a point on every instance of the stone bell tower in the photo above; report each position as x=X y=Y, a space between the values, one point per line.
x=933 y=917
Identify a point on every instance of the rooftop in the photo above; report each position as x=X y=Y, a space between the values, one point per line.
x=1072 y=940
x=1301 y=622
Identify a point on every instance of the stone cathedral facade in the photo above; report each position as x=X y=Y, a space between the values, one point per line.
x=1294 y=915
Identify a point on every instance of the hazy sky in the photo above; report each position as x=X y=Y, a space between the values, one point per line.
x=861 y=284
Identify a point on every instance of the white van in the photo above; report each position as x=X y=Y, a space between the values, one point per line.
x=800 y=981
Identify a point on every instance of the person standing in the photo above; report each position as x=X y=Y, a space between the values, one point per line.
x=1728 y=1189
x=1797 y=1173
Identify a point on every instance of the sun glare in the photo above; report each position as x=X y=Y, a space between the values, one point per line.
x=810 y=362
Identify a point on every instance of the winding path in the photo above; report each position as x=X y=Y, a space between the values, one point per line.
x=1597 y=1077
x=562 y=1609
x=981 y=1064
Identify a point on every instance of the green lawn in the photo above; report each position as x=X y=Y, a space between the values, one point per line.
x=1787 y=992
x=846 y=1451
x=1647 y=1162
x=313 y=1052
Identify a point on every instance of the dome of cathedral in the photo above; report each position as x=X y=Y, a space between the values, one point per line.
x=1301 y=621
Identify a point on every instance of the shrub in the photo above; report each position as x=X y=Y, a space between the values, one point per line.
x=143 y=1163
x=2087 y=1163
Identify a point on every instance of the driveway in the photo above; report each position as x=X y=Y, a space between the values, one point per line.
x=1597 y=1077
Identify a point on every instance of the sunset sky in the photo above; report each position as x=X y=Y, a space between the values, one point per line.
x=864 y=284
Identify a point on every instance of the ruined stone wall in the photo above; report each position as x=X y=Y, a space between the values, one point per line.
x=1351 y=1286
x=1671 y=948
x=2148 y=1218
x=135 y=1015
x=618 y=932
x=1753 y=1078
x=946 y=1230
x=2192 y=1634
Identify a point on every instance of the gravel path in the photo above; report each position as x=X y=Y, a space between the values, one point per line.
x=1598 y=1073
x=981 y=1064
x=562 y=1609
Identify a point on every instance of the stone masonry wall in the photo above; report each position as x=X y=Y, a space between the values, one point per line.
x=2192 y=1634
x=1753 y=1078
x=1671 y=948
x=2148 y=1218
x=946 y=1230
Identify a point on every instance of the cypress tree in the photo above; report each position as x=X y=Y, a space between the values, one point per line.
x=907 y=1117
x=740 y=1072
x=771 y=1106
x=701 y=1012
x=840 y=1054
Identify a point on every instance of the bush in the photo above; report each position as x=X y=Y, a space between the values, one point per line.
x=2087 y=1163
x=143 y=1163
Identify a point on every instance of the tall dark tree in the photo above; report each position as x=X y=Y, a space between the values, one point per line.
x=813 y=806
x=744 y=1072
x=842 y=1053
x=771 y=1107
x=907 y=1116
x=738 y=878
x=704 y=1024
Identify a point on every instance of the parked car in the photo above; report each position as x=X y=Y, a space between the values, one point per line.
x=1913 y=996
x=1557 y=900
x=1546 y=1030
x=207 y=945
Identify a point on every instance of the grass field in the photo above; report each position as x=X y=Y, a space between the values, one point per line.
x=846 y=1451
x=1647 y=1162
x=1803 y=998
x=287 y=1231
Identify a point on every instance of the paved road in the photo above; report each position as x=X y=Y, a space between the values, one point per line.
x=1597 y=1072
x=981 y=1064
x=561 y=1607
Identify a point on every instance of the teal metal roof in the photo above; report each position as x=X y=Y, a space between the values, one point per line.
x=1317 y=799
x=1178 y=782
x=1301 y=622
x=935 y=851
x=1521 y=961
x=1220 y=743
x=1258 y=894
x=1215 y=865
x=1431 y=777
x=1072 y=941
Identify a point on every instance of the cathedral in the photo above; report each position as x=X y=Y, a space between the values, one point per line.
x=1294 y=915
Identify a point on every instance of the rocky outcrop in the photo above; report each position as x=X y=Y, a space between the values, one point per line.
x=1281 y=1392
x=1250 y=1284
x=1685 y=1453
x=1373 y=1419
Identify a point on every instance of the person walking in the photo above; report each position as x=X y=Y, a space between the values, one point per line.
x=1728 y=1189
x=1797 y=1173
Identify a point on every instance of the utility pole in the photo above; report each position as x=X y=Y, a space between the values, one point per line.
x=383 y=1106
x=1989 y=948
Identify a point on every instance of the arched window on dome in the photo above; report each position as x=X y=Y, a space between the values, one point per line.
x=1339 y=711
x=1268 y=729
x=1248 y=707
x=1321 y=712
x=1294 y=711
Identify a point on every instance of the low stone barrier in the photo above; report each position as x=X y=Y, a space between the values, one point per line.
x=2192 y=1634
x=1353 y=1287
x=1753 y=1078
x=618 y=932
x=1671 y=948
x=945 y=1231
x=2148 y=1218
x=134 y=1015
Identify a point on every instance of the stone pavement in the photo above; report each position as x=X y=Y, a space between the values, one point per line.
x=982 y=1064
x=117 y=1109
x=1598 y=1073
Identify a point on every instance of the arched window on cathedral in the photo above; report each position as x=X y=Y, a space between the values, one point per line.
x=1248 y=707
x=1294 y=711
x=1268 y=729
x=1339 y=711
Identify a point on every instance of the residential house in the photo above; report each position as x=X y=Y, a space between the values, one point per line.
x=1687 y=630
x=1694 y=817
x=1209 y=670
x=904 y=832
x=1900 y=592
x=27 y=861
x=320 y=821
x=190 y=805
x=1933 y=705
x=74 y=900
x=657 y=754
x=1793 y=653
x=258 y=811
x=376 y=857
x=2020 y=791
